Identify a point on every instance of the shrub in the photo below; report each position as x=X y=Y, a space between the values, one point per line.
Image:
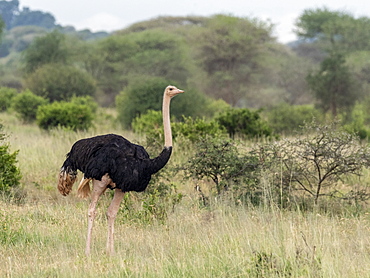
x=220 y=161
x=87 y=101
x=286 y=118
x=244 y=122
x=9 y=173
x=151 y=124
x=6 y=96
x=26 y=104
x=196 y=129
x=57 y=82
x=315 y=161
x=65 y=114
x=147 y=93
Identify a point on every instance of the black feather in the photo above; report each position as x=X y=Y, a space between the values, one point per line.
x=127 y=164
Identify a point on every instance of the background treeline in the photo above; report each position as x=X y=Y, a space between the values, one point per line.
x=236 y=60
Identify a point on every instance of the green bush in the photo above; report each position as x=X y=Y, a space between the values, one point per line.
x=147 y=94
x=220 y=161
x=26 y=104
x=65 y=114
x=196 y=129
x=286 y=118
x=244 y=122
x=6 y=96
x=9 y=173
x=57 y=82
x=85 y=100
x=151 y=124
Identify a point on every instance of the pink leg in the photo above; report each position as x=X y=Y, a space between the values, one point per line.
x=111 y=214
x=98 y=189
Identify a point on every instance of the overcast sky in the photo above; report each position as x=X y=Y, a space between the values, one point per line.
x=110 y=15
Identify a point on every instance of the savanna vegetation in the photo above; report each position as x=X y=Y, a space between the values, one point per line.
x=270 y=171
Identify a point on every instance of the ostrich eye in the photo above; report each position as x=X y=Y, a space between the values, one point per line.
x=171 y=89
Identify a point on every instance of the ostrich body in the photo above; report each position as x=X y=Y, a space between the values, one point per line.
x=111 y=161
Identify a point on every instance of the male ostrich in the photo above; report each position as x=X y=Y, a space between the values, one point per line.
x=111 y=161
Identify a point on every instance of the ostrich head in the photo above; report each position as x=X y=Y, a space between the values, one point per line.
x=172 y=91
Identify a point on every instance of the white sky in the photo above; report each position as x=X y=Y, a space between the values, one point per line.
x=110 y=15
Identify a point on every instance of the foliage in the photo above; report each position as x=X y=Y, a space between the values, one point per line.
x=244 y=122
x=231 y=51
x=65 y=114
x=19 y=38
x=147 y=94
x=336 y=30
x=285 y=118
x=333 y=85
x=291 y=71
x=13 y=16
x=123 y=59
x=26 y=104
x=220 y=161
x=9 y=172
x=48 y=49
x=6 y=96
x=359 y=120
x=57 y=82
x=315 y=161
x=37 y=18
x=2 y=25
x=87 y=101
x=195 y=129
x=156 y=203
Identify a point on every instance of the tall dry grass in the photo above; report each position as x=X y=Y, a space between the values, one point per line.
x=45 y=236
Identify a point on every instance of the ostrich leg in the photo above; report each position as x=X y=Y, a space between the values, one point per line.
x=99 y=188
x=111 y=214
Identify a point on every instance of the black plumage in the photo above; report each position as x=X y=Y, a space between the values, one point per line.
x=128 y=165
x=111 y=161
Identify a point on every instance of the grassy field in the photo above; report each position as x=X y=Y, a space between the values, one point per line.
x=45 y=235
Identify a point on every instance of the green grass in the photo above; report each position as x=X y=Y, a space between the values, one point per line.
x=45 y=236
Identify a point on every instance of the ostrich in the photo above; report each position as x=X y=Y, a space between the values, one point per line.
x=111 y=161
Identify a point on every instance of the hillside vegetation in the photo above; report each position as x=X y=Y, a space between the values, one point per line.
x=270 y=171
x=45 y=234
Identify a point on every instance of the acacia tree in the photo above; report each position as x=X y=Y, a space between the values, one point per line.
x=48 y=49
x=230 y=51
x=333 y=85
x=316 y=160
x=334 y=30
x=60 y=82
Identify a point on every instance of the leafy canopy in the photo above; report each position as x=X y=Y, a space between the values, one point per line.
x=57 y=82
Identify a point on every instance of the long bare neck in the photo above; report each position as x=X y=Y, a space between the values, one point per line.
x=166 y=121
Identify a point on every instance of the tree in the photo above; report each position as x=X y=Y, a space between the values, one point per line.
x=37 y=18
x=333 y=85
x=120 y=59
x=336 y=30
x=220 y=161
x=57 y=82
x=49 y=49
x=8 y=11
x=6 y=96
x=316 y=160
x=287 y=119
x=244 y=122
x=231 y=51
x=312 y=23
